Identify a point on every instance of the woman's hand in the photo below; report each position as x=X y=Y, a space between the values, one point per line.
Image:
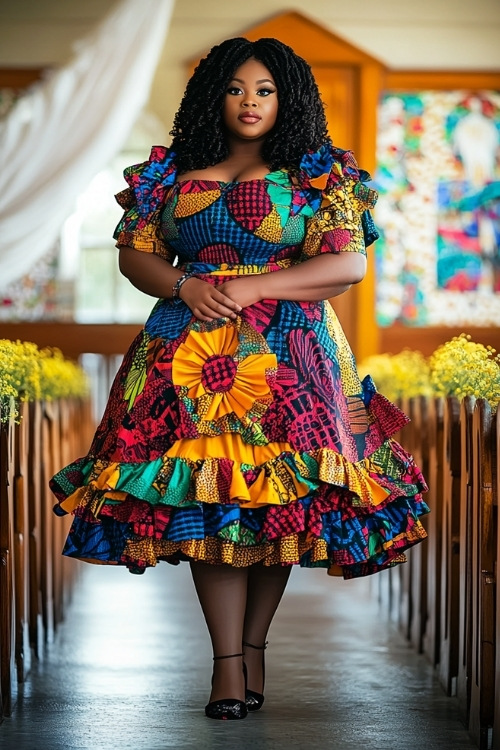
x=208 y=302
x=244 y=290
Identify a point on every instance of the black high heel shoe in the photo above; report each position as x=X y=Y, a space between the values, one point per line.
x=255 y=700
x=227 y=708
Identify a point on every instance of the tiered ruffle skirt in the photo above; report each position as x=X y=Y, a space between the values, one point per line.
x=214 y=449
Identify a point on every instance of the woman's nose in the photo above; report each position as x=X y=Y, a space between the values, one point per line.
x=249 y=103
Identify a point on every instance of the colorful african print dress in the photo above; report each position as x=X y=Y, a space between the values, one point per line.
x=253 y=440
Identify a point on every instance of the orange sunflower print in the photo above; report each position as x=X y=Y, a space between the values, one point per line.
x=225 y=370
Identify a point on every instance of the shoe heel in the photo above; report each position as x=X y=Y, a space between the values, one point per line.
x=254 y=700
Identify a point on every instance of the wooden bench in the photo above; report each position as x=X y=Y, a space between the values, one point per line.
x=432 y=550
x=35 y=482
x=35 y=580
x=419 y=415
x=484 y=547
x=21 y=544
x=465 y=592
x=8 y=681
x=450 y=547
x=496 y=718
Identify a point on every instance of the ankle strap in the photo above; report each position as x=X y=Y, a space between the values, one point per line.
x=229 y=656
x=260 y=648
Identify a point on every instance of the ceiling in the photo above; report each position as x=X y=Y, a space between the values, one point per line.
x=436 y=34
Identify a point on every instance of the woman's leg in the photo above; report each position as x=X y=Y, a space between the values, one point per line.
x=266 y=585
x=222 y=592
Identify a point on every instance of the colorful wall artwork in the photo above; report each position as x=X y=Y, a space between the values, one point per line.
x=34 y=296
x=438 y=175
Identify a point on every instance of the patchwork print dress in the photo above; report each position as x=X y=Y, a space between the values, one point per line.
x=246 y=441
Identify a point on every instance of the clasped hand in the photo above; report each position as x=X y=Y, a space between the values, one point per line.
x=208 y=302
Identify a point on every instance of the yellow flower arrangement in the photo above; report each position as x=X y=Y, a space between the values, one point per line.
x=20 y=368
x=399 y=375
x=28 y=373
x=60 y=377
x=461 y=367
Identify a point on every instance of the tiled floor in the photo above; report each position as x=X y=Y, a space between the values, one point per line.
x=131 y=668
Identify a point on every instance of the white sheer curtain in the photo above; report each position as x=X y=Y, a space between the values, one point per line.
x=65 y=129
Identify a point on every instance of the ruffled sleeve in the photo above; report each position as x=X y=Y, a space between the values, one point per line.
x=335 y=189
x=143 y=200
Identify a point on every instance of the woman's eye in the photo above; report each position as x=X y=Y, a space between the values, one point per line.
x=237 y=91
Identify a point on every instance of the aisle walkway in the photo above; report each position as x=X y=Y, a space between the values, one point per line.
x=131 y=667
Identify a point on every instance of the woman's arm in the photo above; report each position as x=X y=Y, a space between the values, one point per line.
x=316 y=279
x=156 y=276
x=148 y=272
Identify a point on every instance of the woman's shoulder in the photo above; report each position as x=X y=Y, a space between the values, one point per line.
x=148 y=180
x=159 y=166
x=331 y=179
x=328 y=165
x=331 y=174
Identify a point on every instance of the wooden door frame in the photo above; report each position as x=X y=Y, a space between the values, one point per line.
x=322 y=48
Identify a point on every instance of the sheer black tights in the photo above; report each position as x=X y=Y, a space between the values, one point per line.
x=238 y=605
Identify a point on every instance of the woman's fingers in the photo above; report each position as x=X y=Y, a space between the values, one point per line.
x=221 y=299
x=213 y=309
x=203 y=312
x=206 y=302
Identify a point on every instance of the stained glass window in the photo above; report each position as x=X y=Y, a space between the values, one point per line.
x=438 y=174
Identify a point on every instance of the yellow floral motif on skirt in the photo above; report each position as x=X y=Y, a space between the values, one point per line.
x=224 y=370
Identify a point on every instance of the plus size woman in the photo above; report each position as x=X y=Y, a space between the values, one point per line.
x=238 y=435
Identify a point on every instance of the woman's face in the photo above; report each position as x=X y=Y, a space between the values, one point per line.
x=251 y=102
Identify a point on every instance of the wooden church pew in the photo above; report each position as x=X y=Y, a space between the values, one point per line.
x=35 y=479
x=482 y=676
x=450 y=547
x=8 y=681
x=465 y=593
x=419 y=415
x=496 y=718
x=404 y=572
x=432 y=548
x=21 y=544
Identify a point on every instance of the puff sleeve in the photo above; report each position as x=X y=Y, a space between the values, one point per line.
x=341 y=202
x=143 y=200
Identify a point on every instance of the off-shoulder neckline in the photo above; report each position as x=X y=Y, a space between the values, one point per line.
x=267 y=178
x=219 y=182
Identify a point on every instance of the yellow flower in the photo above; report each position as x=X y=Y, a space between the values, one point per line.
x=28 y=374
x=224 y=370
x=399 y=375
x=462 y=367
x=20 y=368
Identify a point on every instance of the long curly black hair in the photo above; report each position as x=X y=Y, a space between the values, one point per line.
x=198 y=130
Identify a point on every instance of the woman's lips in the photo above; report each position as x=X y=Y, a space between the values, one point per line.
x=249 y=118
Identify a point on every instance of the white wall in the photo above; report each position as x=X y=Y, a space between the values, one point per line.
x=428 y=34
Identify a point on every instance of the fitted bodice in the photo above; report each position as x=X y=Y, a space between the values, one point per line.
x=284 y=217
x=255 y=222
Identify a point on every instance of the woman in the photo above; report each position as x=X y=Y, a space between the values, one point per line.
x=238 y=435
